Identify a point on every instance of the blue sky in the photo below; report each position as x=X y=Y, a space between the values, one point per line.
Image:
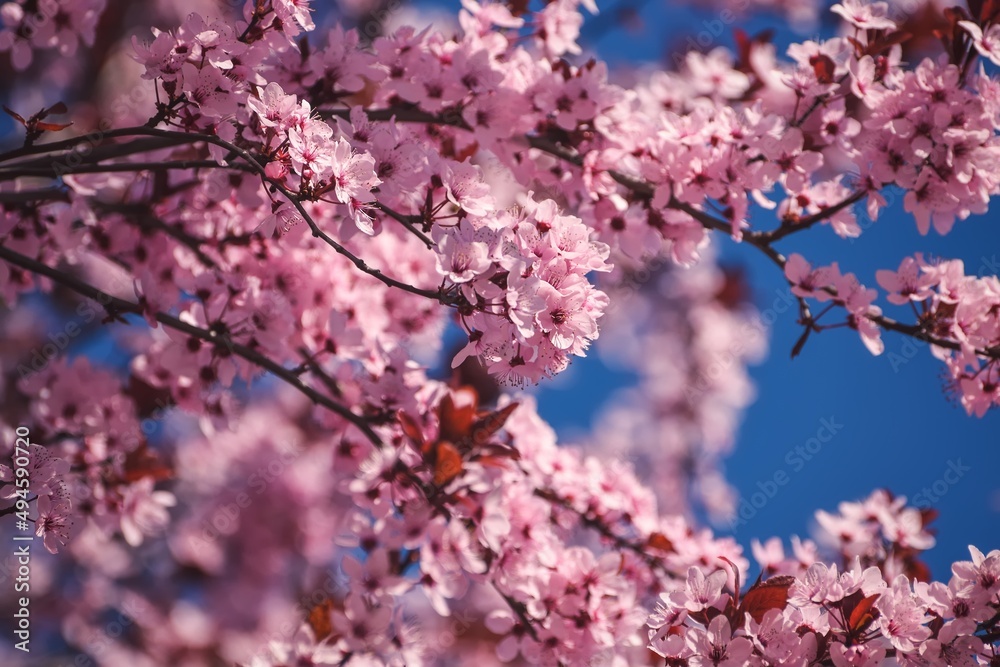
x=895 y=426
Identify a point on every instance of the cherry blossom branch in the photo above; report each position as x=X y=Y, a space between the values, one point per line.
x=521 y=611
x=818 y=102
x=451 y=117
x=763 y=242
x=454 y=119
x=309 y=361
x=760 y=240
x=115 y=306
x=915 y=331
x=598 y=526
x=174 y=138
x=144 y=219
x=808 y=221
x=97 y=149
x=408 y=221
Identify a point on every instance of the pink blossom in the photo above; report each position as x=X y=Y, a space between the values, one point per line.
x=806 y=281
x=273 y=107
x=701 y=591
x=717 y=647
x=53 y=523
x=982 y=572
x=353 y=174
x=988 y=43
x=143 y=511
x=908 y=283
x=901 y=619
x=560 y=21
x=865 y=16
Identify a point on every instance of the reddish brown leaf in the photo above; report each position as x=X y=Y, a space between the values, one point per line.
x=57 y=108
x=661 y=542
x=881 y=45
x=990 y=11
x=51 y=127
x=456 y=420
x=824 y=68
x=486 y=426
x=862 y=615
x=495 y=455
x=742 y=44
x=745 y=44
x=976 y=7
x=736 y=573
x=917 y=569
x=13 y=114
x=150 y=401
x=766 y=595
x=517 y=7
x=467 y=152
x=447 y=463
x=320 y=619
x=411 y=429
x=143 y=462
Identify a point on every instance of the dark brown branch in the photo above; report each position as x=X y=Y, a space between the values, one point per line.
x=605 y=531
x=143 y=218
x=116 y=306
x=760 y=240
x=175 y=138
x=408 y=221
x=98 y=150
x=309 y=361
x=818 y=102
x=521 y=611
x=15 y=197
x=56 y=169
x=809 y=221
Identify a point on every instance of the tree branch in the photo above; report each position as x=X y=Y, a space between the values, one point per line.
x=56 y=169
x=175 y=138
x=760 y=240
x=408 y=221
x=115 y=305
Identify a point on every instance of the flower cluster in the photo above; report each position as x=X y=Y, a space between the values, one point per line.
x=28 y=26
x=828 y=284
x=524 y=276
x=961 y=309
x=105 y=473
x=879 y=607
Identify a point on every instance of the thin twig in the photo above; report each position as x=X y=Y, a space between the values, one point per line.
x=407 y=221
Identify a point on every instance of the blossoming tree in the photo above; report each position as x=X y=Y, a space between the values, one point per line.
x=274 y=227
